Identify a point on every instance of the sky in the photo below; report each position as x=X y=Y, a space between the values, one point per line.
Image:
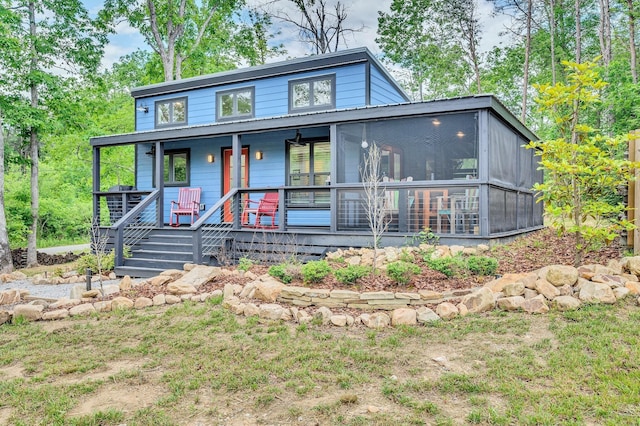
x=360 y=13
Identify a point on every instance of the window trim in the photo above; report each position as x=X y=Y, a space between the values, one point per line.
x=234 y=92
x=311 y=80
x=172 y=153
x=171 y=102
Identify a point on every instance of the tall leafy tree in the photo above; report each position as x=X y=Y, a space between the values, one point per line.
x=177 y=30
x=56 y=39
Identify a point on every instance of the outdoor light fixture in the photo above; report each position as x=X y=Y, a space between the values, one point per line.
x=152 y=151
x=364 y=144
x=297 y=139
x=435 y=122
x=460 y=134
x=210 y=158
x=143 y=108
x=259 y=155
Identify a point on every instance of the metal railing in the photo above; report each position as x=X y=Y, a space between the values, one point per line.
x=135 y=225
x=210 y=231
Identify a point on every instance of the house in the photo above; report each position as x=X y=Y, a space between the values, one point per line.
x=301 y=129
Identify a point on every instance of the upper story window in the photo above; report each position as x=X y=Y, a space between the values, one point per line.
x=171 y=112
x=310 y=94
x=237 y=103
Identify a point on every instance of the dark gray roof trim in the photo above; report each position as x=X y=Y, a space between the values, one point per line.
x=318 y=119
x=307 y=63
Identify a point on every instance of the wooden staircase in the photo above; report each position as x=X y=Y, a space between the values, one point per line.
x=162 y=249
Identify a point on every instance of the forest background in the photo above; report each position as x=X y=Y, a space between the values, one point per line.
x=54 y=94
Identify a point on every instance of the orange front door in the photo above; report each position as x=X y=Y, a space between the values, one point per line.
x=227 y=178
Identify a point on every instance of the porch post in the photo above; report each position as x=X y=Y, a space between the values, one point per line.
x=236 y=149
x=333 y=192
x=159 y=179
x=483 y=171
x=96 y=184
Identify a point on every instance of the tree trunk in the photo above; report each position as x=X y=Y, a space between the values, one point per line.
x=6 y=262
x=604 y=34
x=552 y=34
x=527 y=53
x=32 y=256
x=632 y=41
x=578 y=33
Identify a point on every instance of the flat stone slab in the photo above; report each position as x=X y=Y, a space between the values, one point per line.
x=377 y=295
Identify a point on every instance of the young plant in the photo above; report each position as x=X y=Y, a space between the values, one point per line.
x=285 y=272
x=482 y=265
x=351 y=273
x=449 y=266
x=315 y=271
x=244 y=264
x=401 y=272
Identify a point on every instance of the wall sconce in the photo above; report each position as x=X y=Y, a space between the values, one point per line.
x=460 y=134
x=143 y=108
x=435 y=122
x=259 y=155
x=152 y=151
x=211 y=158
x=364 y=144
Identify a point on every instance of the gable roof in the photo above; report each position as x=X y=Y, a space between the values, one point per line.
x=304 y=64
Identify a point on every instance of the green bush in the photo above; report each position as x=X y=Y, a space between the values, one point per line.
x=90 y=261
x=482 y=265
x=315 y=271
x=351 y=273
x=401 y=272
x=449 y=266
x=285 y=272
x=244 y=264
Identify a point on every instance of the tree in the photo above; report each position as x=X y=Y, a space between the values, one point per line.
x=6 y=262
x=177 y=29
x=252 y=40
x=320 y=25
x=45 y=41
x=582 y=167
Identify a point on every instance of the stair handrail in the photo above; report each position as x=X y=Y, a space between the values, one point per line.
x=221 y=231
x=128 y=218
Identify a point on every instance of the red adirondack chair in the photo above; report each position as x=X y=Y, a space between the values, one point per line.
x=267 y=206
x=188 y=204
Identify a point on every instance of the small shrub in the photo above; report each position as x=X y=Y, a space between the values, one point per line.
x=351 y=273
x=406 y=256
x=285 y=272
x=401 y=272
x=482 y=265
x=90 y=261
x=315 y=271
x=449 y=266
x=426 y=236
x=244 y=264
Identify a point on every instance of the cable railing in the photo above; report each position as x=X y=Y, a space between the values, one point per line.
x=135 y=225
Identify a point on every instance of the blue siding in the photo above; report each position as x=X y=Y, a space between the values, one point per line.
x=308 y=217
x=382 y=92
x=271 y=96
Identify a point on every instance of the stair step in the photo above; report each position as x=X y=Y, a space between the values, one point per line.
x=137 y=272
x=161 y=264
x=163 y=246
x=160 y=254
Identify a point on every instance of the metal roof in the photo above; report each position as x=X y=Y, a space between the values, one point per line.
x=291 y=66
x=321 y=118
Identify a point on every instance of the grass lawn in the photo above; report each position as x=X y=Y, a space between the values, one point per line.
x=198 y=364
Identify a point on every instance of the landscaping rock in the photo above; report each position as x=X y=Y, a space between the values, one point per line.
x=566 y=303
x=159 y=299
x=479 y=301
x=536 y=305
x=596 y=293
x=514 y=289
x=547 y=289
x=270 y=311
x=57 y=314
x=378 y=320
x=142 y=302
x=10 y=297
x=338 y=320
x=634 y=287
x=426 y=315
x=174 y=274
x=180 y=288
x=5 y=316
x=447 y=310
x=160 y=280
x=102 y=306
x=513 y=303
x=621 y=292
x=28 y=312
x=198 y=275
x=632 y=264
x=121 y=303
x=84 y=309
x=227 y=291
x=404 y=316
x=323 y=314
x=268 y=291
x=126 y=283
x=171 y=299
x=251 y=310
x=559 y=275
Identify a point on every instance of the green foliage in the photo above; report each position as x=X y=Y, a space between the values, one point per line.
x=482 y=265
x=351 y=273
x=285 y=272
x=315 y=271
x=244 y=264
x=449 y=266
x=90 y=261
x=583 y=168
x=426 y=236
x=401 y=272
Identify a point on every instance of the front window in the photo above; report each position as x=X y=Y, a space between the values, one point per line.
x=235 y=104
x=176 y=168
x=309 y=165
x=309 y=94
x=171 y=112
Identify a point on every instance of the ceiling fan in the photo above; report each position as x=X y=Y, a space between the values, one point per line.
x=297 y=140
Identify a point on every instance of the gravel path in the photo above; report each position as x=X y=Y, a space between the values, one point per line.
x=52 y=291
